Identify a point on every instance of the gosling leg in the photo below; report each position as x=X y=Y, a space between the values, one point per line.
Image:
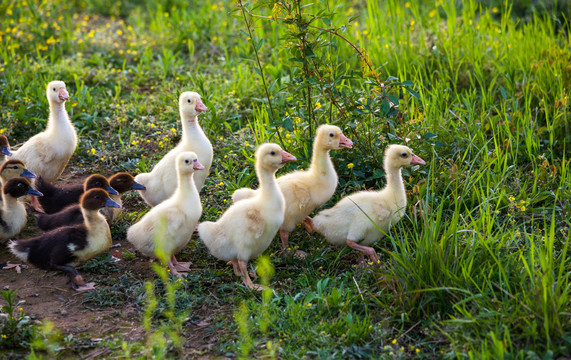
x=368 y=251
x=308 y=224
x=284 y=236
x=180 y=266
x=243 y=266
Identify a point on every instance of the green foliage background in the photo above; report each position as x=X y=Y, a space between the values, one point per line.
x=478 y=269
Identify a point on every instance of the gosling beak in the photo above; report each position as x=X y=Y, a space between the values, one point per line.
x=196 y=165
x=110 y=190
x=416 y=160
x=200 y=107
x=27 y=173
x=137 y=186
x=34 y=192
x=6 y=151
x=287 y=157
x=63 y=95
x=111 y=203
x=344 y=142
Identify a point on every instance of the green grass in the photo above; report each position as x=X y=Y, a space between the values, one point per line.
x=479 y=268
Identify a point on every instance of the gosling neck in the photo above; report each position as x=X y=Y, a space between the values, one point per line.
x=267 y=180
x=58 y=116
x=321 y=161
x=394 y=179
x=190 y=127
x=186 y=186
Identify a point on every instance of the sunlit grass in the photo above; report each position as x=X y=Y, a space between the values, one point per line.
x=480 y=266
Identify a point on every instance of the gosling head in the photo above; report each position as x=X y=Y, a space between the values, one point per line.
x=398 y=156
x=331 y=137
x=190 y=104
x=13 y=168
x=20 y=186
x=97 y=181
x=123 y=182
x=5 y=146
x=96 y=199
x=272 y=157
x=56 y=92
x=187 y=162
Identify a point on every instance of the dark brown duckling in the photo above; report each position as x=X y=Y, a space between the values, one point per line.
x=13 y=168
x=13 y=213
x=4 y=148
x=122 y=182
x=71 y=214
x=57 y=198
x=67 y=247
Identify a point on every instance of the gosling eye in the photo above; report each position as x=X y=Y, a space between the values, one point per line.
x=54 y=89
x=186 y=161
x=404 y=155
x=331 y=135
x=273 y=153
x=97 y=197
x=188 y=100
x=20 y=185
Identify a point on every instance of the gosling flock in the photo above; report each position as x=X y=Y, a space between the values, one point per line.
x=76 y=217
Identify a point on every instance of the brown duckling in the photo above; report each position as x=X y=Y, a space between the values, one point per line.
x=14 y=168
x=4 y=148
x=11 y=169
x=13 y=213
x=122 y=182
x=67 y=247
x=56 y=198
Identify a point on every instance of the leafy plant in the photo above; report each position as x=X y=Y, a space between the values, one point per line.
x=16 y=329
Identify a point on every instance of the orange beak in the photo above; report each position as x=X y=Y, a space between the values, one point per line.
x=287 y=157
x=200 y=107
x=344 y=142
x=63 y=95
x=416 y=160
x=196 y=165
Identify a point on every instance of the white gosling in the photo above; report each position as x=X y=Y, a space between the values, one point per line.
x=346 y=222
x=159 y=183
x=305 y=190
x=46 y=154
x=247 y=228
x=179 y=214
